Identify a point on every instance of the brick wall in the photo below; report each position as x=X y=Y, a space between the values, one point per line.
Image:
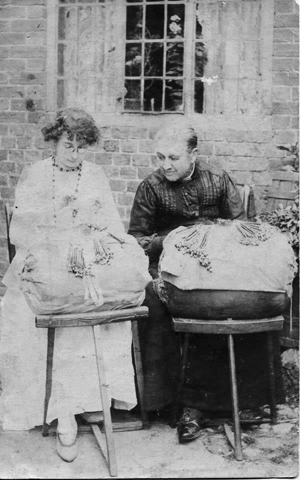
x=245 y=147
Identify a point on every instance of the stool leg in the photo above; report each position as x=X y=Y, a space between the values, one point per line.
x=234 y=395
x=48 y=387
x=111 y=454
x=139 y=370
x=271 y=378
x=184 y=357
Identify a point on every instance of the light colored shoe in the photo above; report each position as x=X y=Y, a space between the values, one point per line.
x=93 y=417
x=66 y=438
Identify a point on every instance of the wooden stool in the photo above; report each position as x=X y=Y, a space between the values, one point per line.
x=95 y=320
x=231 y=327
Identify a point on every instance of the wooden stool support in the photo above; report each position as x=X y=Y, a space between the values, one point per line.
x=95 y=320
x=231 y=327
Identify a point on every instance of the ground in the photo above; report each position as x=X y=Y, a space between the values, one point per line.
x=268 y=452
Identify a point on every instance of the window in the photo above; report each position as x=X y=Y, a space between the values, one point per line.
x=157 y=56
x=160 y=56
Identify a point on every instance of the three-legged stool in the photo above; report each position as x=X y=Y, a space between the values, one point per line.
x=231 y=327
x=95 y=320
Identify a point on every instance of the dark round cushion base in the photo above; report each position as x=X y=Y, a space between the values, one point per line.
x=223 y=304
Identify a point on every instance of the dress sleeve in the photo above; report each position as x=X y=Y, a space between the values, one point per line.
x=232 y=206
x=142 y=220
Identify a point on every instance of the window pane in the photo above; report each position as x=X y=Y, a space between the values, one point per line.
x=174 y=95
x=134 y=26
x=153 y=95
x=155 y=15
x=133 y=95
x=174 y=59
x=200 y=59
x=133 y=60
x=153 y=65
x=175 y=21
x=198 y=23
x=198 y=97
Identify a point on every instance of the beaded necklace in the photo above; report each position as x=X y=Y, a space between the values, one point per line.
x=74 y=197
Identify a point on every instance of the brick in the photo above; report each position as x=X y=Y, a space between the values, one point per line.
x=295 y=122
x=4 y=180
x=154 y=161
x=281 y=94
x=4 y=26
x=24 y=142
x=281 y=121
x=16 y=156
x=18 y=104
x=129 y=146
x=296 y=65
x=205 y=148
x=141 y=160
x=232 y=135
x=286 y=50
x=28 y=78
x=7 y=192
x=12 y=91
x=153 y=131
x=28 y=51
x=258 y=136
x=3 y=129
x=285 y=137
x=283 y=6
x=128 y=172
x=34 y=117
x=35 y=91
x=248 y=163
x=105 y=132
x=121 y=159
x=13 y=180
x=275 y=164
x=283 y=64
x=12 y=65
x=111 y=145
x=285 y=108
x=41 y=144
x=283 y=35
x=36 y=11
x=23 y=130
x=216 y=135
x=4 y=52
x=32 y=156
x=7 y=167
x=143 y=172
x=117 y=185
x=29 y=2
x=103 y=158
x=111 y=172
x=27 y=25
x=8 y=142
x=262 y=178
x=286 y=19
x=3 y=155
x=35 y=64
x=146 y=146
x=288 y=79
x=4 y=104
x=12 y=12
x=132 y=185
x=125 y=199
x=36 y=38
x=12 y=117
x=120 y=132
x=242 y=177
x=138 y=132
x=12 y=38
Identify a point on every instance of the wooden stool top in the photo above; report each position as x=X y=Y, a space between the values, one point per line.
x=92 y=318
x=230 y=326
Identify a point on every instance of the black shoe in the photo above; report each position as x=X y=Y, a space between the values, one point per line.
x=190 y=424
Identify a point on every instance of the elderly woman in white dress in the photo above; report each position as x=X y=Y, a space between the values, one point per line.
x=71 y=257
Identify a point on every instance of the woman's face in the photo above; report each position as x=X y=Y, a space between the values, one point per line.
x=69 y=153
